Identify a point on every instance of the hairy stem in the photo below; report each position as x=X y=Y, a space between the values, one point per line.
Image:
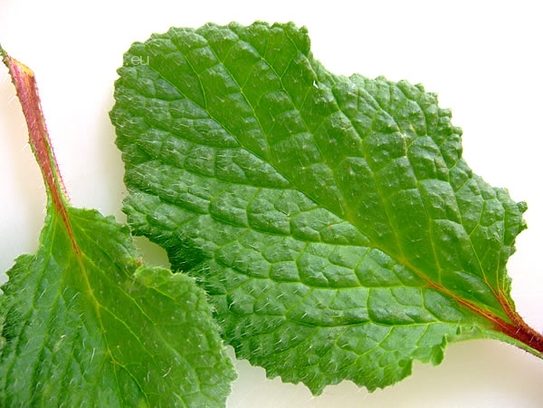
x=519 y=330
x=27 y=92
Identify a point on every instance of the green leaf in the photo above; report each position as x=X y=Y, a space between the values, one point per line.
x=93 y=326
x=333 y=220
x=85 y=323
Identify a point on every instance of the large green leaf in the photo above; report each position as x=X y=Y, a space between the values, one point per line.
x=333 y=220
x=85 y=323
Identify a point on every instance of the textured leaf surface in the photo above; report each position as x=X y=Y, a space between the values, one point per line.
x=98 y=328
x=332 y=219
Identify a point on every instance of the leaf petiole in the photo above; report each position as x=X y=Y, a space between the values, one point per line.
x=24 y=80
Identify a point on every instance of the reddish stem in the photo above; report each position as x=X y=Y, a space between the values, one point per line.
x=519 y=330
x=516 y=329
x=27 y=91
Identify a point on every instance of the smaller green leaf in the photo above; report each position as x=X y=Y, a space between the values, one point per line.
x=95 y=327
x=85 y=323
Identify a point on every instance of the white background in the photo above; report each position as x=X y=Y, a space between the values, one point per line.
x=483 y=58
